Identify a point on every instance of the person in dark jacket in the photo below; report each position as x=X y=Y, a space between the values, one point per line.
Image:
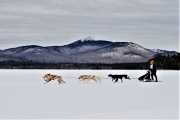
x=153 y=70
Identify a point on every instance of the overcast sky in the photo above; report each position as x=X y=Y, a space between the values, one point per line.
x=153 y=24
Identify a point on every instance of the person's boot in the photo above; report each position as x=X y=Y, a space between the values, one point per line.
x=156 y=79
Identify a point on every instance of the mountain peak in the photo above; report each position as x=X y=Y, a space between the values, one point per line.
x=87 y=39
x=84 y=40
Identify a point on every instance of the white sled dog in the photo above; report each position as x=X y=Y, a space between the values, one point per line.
x=89 y=77
x=49 y=77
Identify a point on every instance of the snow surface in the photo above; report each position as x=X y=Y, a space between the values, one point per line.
x=24 y=96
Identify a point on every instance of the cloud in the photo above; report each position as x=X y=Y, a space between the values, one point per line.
x=63 y=21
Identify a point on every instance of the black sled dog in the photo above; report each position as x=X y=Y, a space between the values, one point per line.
x=116 y=77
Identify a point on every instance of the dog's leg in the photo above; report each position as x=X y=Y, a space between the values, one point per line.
x=85 y=80
x=61 y=80
x=116 y=80
x=95 y=81
x=88 y=80
x=100 y=80
x=80 y=80
x=121 y=79
x=47 y=81
x=127 y=77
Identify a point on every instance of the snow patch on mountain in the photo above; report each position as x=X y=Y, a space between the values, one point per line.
x=132 y=56
x=162 y=51
x=159 y=51
x=119 y=53
x=85 y=48
x=41 y=50
x=79 y=49
x=29 y=50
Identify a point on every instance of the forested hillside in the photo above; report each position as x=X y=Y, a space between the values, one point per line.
x=170 y=62
x=167 y=62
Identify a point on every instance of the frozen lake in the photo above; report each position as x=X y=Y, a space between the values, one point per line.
x=24 y=96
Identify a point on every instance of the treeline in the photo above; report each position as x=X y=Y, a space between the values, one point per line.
x=162 y=62
x=44 y=65
x=169 y=62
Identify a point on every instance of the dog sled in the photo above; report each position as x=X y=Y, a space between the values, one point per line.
x=145 y=77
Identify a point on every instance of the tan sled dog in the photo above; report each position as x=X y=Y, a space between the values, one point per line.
x=84 y=77
x=49 y=77
x=96 y=78
x=89 y=77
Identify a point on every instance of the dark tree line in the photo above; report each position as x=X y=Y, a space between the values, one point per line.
x=162 y=62
x=169 y=62
x=44 y=65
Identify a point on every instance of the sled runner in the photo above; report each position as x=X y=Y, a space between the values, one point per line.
x=145 y=77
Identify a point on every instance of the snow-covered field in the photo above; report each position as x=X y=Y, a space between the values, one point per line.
x=23 y=95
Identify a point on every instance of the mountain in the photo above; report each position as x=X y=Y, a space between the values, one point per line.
x=37 y=53
x=163 y=52
x=117 y=52
x=85 y=50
